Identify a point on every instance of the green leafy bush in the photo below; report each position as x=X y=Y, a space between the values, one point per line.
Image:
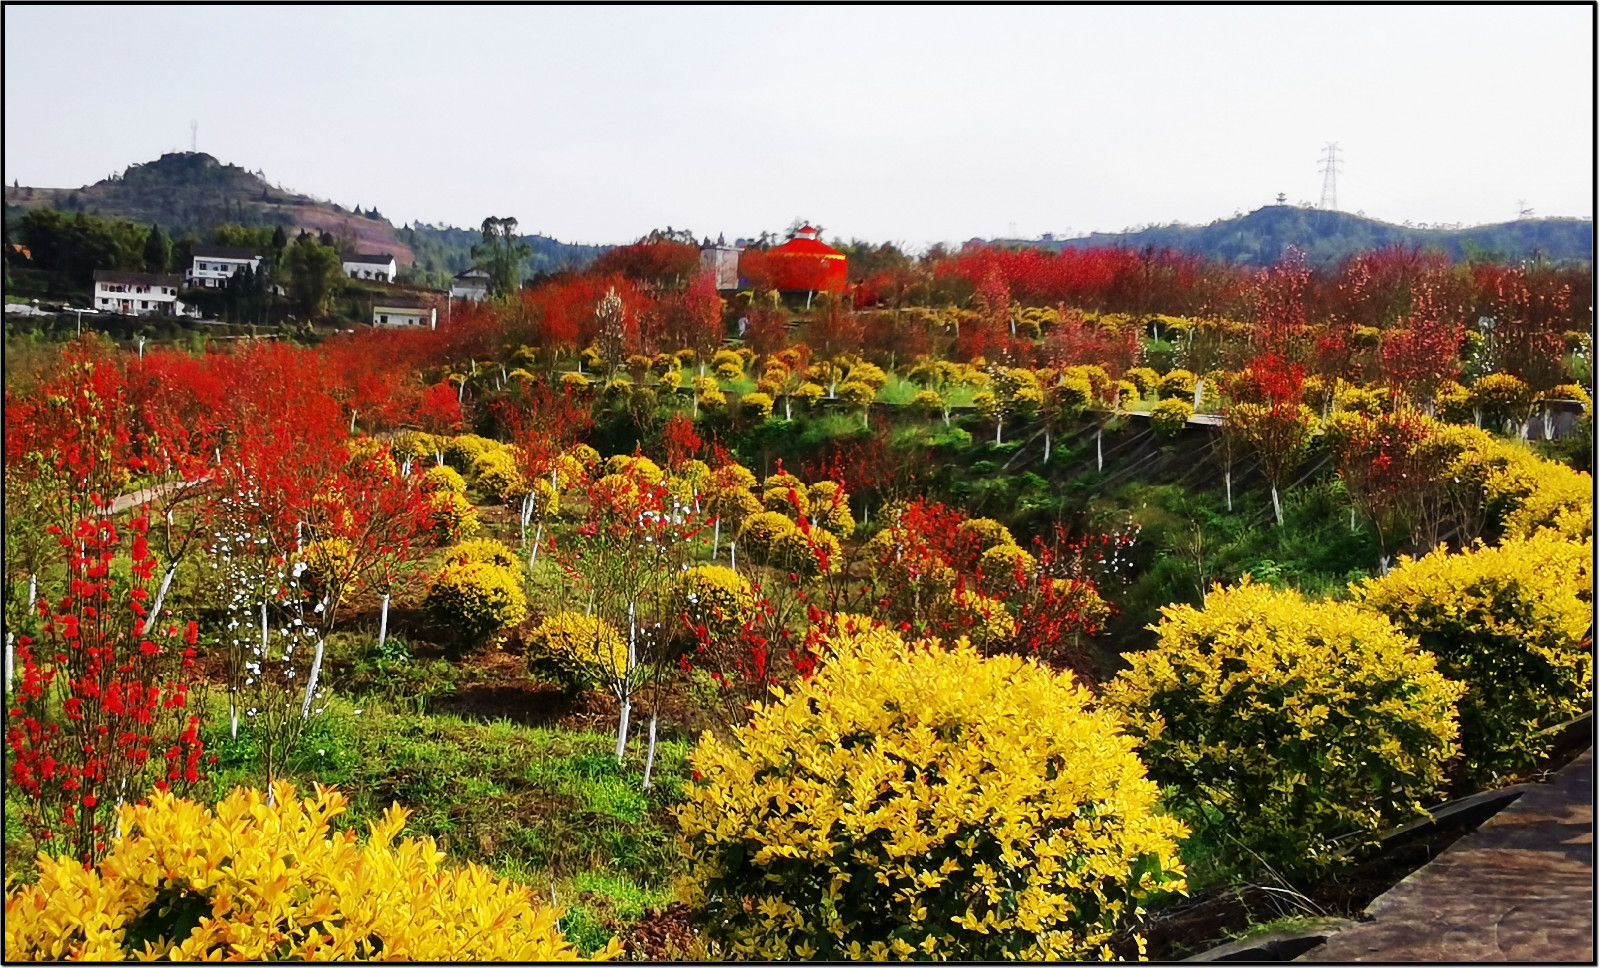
x=1280 y=723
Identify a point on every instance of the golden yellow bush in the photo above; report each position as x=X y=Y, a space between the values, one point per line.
x=1006 y=568
x=443 y=477
x=976 y=616
x=257 y=882
x=921 y=801
x=496 y=473
x=988 y=532
x=1170 y=416
x=462 y=450
x=807 y=554
x=760 y=533
x=1144 y=379
x=454 y=517
x=486 y=551
x=1513 y=624
x=579 y=651
x=718 y=598
x=1176 y=385
x=476 y=599
x=329 y=563
x=1281 y=723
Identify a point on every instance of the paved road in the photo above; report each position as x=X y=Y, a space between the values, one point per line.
x=1520 y=888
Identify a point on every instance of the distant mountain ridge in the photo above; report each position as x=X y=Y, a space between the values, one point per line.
x=186 y=191
x=1326 y=237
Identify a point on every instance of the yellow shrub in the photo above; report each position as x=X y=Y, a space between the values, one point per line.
x=713 y=399
x=785 y=498
x=413 y=444
x=579 y=651
x=462 y=451
x=760 y=533
x=640 y=469
x=328 y=563
x=988 y=532
x=443 y=477
x=856 y=394
x=757 y=406
x=715 y=597
x=253 y=882
x=574 y=379
x=1453 y=402
x=732 y=477
x=485 y=551
x=1144 y=379
x=1169 y=417
x=810 y=393
x=807 y=555
x=928 y=402
x=476 y=599
x=363 y=449
x=919 y=801
x=453 y=516
x=1512 y=623
x=975 y=616
x=1359 y=400
x=1501 y=397
x=1176 y=385
x=830 y=507
x=546 y=502
x=1003 y=564
x=570 y=472
x=695 y=471
x=496 y=473
x=585 y=455
x=1282 y=723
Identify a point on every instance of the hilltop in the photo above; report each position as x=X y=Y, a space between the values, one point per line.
x=192 y=192
x=1327 y=237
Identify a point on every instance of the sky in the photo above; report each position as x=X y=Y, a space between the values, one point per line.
x=907 y=124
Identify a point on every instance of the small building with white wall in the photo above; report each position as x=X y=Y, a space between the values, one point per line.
x=137 y=293
x=404 y=313
x=211 y=266
x=472 y=284
x=366 y=265
x=722 y=261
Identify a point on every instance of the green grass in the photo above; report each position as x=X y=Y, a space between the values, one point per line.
x=542 y=806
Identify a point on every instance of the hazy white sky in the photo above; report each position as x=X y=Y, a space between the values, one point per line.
x=887 y=123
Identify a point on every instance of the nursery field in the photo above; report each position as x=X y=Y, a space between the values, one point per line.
x=1076 y=605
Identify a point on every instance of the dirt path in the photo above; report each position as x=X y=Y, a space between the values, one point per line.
x=134 y=499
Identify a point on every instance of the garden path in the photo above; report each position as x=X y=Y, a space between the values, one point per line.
x=1520 y=888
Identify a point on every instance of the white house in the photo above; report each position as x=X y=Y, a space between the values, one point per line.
x=136 y=293
x=214 y=265
x=364 y=265
x=472 y=284
x=404 y=313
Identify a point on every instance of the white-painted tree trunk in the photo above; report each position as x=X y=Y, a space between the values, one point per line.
x=352 y=421
x=155 y=610
x=1352 y=519
x=1277 y=506
x=316 y=671
x=716 y=536
x=1046 y=445
x=998 y=425
x=733 y=555
x=1227 y=484
x=33 y=590
x=11 y=658
x=538 y=535
x=1099 y=455
x=1200 y=388
x=650 y=755
x=788 y=414
x=383 y=621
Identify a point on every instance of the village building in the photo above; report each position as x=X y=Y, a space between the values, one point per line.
x=137 y=293
x=364 y=265
x=404 y=312
x=472 y=284
x=722 y=261
x=211 y=266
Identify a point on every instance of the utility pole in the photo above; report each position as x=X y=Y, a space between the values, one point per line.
x=1330 y=168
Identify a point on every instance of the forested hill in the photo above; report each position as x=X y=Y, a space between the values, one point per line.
x=190 y=192
x=1326 y=237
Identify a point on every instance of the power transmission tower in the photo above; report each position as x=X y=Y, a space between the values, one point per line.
x=1330 y=168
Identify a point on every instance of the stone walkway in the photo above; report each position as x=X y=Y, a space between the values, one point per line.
x=1520 y=888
